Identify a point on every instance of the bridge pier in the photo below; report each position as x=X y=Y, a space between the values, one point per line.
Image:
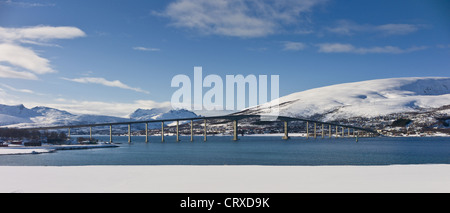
x=235 y=130
x=146 y=132
x=90 y=133
x=192 y=130
x=307 y=129
x=178 y=138
x=315 y=135
x=323 y=132
x=129 y=133
x=286 y=133
x=329 y=131
x=162 y=131
x=110 y=134
x=204 y=131
x=337 y=132
x=343 y=132
x=68 y=133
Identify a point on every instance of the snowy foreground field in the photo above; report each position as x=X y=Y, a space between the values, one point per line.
x=226 y=179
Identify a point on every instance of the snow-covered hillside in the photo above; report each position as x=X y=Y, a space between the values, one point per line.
x=365 y=99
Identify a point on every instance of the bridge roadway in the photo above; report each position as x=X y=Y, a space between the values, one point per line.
x=233 y=118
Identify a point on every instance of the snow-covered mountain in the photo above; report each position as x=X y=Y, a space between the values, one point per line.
x=15 y=114
x=364 y=99
x=161 y=113
x=425 y=101
x=20 y=116
x=147 y=114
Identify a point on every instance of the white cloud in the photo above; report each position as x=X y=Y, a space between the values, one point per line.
x=102 y=81
x=17 y=61
x=238 y=18
x=9 y=72
x=397 y=29
x=346 y=27
x=293 y=46
x=146 y=49
x=39 y=33
x=25 y=58
x=18 y=90
x=348 y=48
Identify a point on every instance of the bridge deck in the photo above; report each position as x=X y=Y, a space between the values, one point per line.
x=225 y=117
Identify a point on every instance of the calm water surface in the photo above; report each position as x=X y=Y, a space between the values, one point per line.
x=249 y=150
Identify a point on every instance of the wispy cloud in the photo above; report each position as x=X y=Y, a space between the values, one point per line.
x=10 y=72
x=26 y=4
x=238 y=18
x=102 y=81
x=17 y=61
x=293 y=46
x=348 y=48
x=25 y=58
x=39 y=33
x=443 y=46
x=346 y=27
x=146 y=49
x=19 y=90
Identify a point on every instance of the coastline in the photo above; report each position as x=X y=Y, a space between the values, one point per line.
x=427 y=178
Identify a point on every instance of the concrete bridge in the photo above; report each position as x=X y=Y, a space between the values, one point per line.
x=356 y=131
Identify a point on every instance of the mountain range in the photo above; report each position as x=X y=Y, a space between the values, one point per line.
x=20 y=116
x=424 y=101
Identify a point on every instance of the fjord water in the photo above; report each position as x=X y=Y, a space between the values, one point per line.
x=249 y=150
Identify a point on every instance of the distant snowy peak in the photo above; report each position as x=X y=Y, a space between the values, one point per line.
x=365 y=99
x=180 y=113
x=18 y=111
x=50 y=111
x=147 y=114
x=160 y=113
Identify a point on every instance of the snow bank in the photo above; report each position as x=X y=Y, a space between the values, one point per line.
x=226 y=179
x=21 y=151
x=46 y=149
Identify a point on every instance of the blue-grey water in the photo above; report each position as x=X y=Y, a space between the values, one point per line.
x=249 y=150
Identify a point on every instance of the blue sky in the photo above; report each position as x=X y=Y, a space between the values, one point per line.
x=113 y=56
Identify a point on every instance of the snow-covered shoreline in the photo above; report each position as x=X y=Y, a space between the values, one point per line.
x=23 y=151
x=20 y=150
x=226 y=179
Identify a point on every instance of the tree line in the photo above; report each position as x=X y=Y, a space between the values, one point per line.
x=17 y=134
